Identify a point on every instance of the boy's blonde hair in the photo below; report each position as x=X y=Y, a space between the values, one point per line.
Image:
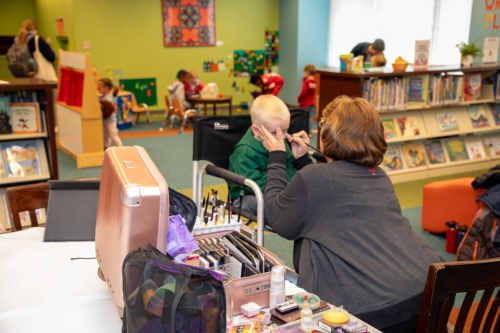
x=268 y=107
x=310 y=69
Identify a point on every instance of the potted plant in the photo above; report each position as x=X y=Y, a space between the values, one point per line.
x=469 y=52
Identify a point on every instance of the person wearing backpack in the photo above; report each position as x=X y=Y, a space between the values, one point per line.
x=21 y=62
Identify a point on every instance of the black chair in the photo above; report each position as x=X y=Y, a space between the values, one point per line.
x=214 y=140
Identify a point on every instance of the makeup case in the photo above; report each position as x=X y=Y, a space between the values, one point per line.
x=254 y=288
x=132 y=211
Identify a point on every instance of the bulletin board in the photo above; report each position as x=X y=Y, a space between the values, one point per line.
x=248 y=62
x=143 y=89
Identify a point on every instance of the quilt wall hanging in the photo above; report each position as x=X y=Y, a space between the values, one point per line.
x=188 y=23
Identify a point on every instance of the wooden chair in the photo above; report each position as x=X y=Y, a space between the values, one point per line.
x=27 y=198
x=445 y=280
x=179 y=112
x=169 y=112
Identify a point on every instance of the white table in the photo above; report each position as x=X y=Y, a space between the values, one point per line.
x=43 y=290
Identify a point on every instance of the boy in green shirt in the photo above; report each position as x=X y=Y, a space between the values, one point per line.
x=250 y=157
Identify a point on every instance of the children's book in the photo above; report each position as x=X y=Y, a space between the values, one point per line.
x=447 y=122
x=389 y=128
x=435 y=152
x=495 y=111
x=456 y=150
x=416 y=90
x=392 y=159
x=475 y=150
x=414 y=155
x=125 y=114
x=478 y=116
x=493 y=145
x=472 y=87
x=21 y=159
x=5 y=117
x=408 y=126
x=25 y=117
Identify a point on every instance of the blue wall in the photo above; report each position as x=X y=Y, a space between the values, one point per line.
x=485 y=22
x=303 y=26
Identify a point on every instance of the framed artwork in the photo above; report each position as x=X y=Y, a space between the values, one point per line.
x=188 y=23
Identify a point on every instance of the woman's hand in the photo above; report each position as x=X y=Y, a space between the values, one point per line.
x=298 y=142
x=270 y=142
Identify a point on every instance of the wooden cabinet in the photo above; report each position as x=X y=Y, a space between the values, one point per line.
x=444 y=126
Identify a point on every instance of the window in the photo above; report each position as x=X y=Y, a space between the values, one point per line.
x=399 y=23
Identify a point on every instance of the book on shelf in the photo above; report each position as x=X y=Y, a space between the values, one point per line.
x=478 y=116
x=21 y=159
x=472 y=87
x=414 y=155
x=447 y=121
x=25 y=117
x=385 y=94
x=456 y=150
x=475 y=150
x=493 y=145
x=435 y=152
x=445 y=90
x=416 y=89
x=495 y=111
x=408 y=126
x=393 y=159
x=5 y=116
x=390 y=131
x=422 y=53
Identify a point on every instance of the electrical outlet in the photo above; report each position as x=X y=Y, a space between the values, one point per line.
x=255 y=289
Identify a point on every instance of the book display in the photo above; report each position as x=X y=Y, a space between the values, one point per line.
x=27 y=138
x=437 y=120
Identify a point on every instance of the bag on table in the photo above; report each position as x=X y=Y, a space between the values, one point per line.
x=161 y=295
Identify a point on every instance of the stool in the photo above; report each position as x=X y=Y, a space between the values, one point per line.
x=449 y=200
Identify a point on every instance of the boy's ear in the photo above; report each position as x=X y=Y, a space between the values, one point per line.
x=256 y=131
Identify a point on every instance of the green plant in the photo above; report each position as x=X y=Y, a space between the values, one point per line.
x=470 y=49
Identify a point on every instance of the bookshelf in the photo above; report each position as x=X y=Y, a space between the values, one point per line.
x=441 y=110
x=44 y=166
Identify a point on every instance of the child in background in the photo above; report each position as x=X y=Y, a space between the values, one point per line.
x=270 y=83
x=106 y=90
x=250 y=157
x=306 y=96
x=378 y=60
x=193 y=85
x=177 y=89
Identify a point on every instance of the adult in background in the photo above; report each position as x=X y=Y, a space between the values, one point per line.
x=30 y=30
x=368 y=50
x=352 y=246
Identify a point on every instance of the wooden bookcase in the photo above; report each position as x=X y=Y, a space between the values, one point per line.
x=331 y=82
x=45 y=139
x=80 y=127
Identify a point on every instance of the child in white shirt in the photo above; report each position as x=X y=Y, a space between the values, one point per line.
x=105 y=88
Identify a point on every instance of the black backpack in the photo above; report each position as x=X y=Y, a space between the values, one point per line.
x=21 y=63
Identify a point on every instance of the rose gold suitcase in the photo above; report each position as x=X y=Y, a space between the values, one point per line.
x=132 y=212
x=253 y=288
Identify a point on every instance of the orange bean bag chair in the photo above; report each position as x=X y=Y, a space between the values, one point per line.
x=449 y=200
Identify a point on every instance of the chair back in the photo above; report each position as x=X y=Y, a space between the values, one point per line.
x=215 y=137
x=445 y=280
x=27 y=198
x=167 y=104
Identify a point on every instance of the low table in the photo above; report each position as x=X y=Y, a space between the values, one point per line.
x=214 y=101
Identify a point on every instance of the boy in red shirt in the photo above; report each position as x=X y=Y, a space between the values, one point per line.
x=306 y=96
x=270 y=83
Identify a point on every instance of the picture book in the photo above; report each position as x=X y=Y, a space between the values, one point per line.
x=435 y=152
x=125 y=115
x=25 y=117
x=493 y=145
x=5 y=117
x=416 y=89
x=422 y=53
x=389 y=128
x=472 y=87
x=408 y=126
x=21 y=159
x=456 y=150
x=392 y=159
x=478 y=116
x=475 y=150
x=414 y=155
x=495 y=111
x=447 y=122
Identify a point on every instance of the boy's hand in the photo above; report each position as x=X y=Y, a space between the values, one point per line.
x=270 y=142
x=298 y=142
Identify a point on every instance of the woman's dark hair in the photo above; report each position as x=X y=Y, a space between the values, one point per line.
x=353 y=132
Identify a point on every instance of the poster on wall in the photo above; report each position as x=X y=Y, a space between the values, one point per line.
x=272 y=48
x=143 y=89
x=125 y=114
x=248 y=62
x=188 y=23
